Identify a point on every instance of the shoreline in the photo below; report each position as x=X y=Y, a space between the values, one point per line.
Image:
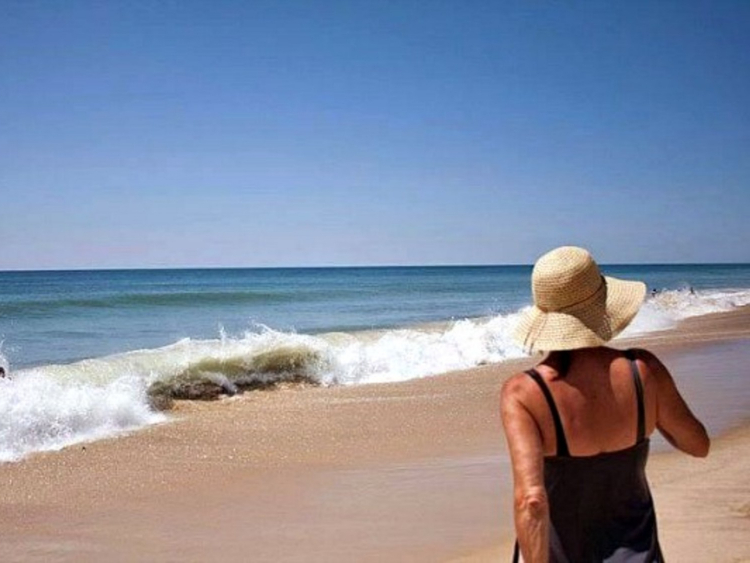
x=411 y=471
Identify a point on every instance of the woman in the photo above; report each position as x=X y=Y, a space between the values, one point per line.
x=578 y=424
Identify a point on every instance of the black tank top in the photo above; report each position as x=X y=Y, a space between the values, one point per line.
x=600 y=505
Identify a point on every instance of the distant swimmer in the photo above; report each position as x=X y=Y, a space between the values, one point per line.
x=2 y=372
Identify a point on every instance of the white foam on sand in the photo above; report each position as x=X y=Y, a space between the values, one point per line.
x=42 y=414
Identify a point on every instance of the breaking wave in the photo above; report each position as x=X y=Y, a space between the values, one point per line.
x=667 y=308
x=50 y=407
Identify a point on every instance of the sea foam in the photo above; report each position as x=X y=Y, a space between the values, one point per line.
x=667 y=308
x=42 y=414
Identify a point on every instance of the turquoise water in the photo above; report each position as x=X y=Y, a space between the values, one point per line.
x=60 y=317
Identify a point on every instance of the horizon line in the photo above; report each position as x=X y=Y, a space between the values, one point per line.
x=345 y=266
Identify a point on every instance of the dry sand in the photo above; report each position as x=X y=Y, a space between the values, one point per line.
x=400 y=472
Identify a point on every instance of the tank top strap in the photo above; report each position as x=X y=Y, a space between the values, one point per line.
x=562 y=443
x=641 y=431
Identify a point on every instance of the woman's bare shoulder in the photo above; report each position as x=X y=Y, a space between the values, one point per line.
x=516 y=387
x=650 y=361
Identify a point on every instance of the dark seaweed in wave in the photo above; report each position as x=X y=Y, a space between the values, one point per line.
x=212 y=378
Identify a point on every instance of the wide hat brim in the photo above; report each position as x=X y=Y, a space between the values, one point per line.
x=593 y=323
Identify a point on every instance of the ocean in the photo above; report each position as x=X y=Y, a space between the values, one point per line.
x=86 y=349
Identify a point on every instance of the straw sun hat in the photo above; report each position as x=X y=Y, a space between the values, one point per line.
x=575 y=306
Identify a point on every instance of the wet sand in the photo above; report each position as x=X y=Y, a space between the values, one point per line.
x=415 y=471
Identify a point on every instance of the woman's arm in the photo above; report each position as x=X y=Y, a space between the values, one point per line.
x=674 y=419
x=531 y=511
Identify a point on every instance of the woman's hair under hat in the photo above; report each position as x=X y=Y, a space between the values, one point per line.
x=575 y=306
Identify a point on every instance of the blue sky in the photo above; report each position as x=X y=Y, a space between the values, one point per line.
x=178 y=133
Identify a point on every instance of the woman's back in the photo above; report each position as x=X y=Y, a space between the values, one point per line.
x=595 y=395
x=600 y=504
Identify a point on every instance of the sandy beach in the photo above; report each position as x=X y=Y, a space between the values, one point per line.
x=415 y=471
